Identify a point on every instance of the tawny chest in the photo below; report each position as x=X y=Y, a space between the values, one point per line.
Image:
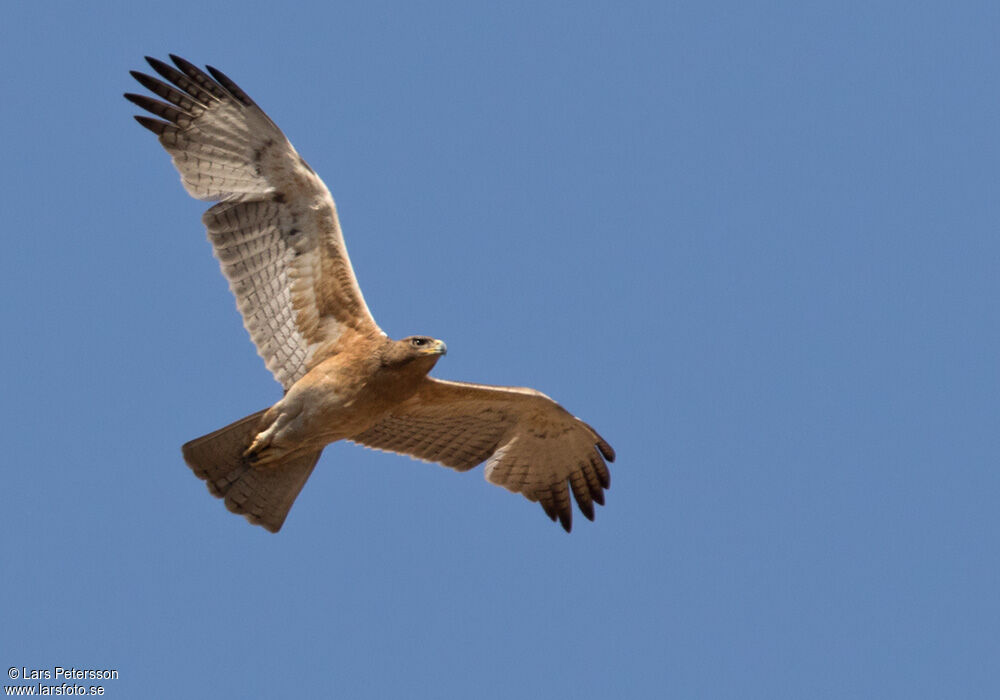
x=340 y=399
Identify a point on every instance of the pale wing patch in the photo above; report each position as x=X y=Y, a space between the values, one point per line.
x=457 y=441
x=531 y=445
x=255 y=251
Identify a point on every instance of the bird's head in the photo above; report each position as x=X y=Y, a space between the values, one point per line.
x=415 y=348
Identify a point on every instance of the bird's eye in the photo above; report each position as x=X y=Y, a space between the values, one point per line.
x=419 y=342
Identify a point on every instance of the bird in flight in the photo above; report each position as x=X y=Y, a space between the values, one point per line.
x=276 y=234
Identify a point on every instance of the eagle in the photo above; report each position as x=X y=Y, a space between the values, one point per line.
x=279 y=244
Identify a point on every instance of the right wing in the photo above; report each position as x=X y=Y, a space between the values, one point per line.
x=531 y=444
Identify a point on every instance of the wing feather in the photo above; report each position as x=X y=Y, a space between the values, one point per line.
x=275 y=229
x=530 y=444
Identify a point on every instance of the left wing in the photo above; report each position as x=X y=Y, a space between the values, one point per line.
x=531 y=444
x=275 y=230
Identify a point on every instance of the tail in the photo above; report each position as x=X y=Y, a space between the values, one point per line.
x=264 y=494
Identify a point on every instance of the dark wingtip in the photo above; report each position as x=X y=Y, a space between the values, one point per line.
x=230 y=86
x=606 y=450
x=185 y=65
x=150 y=83
x=566 y=520
x=159 y=66
x=154 y=125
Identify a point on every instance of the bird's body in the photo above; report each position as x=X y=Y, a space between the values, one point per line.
x=342 y=396
x=277 y=236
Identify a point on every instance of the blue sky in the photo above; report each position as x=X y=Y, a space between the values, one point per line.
x=755 y=245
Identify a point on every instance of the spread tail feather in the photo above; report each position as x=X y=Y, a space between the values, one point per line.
x=262 y=493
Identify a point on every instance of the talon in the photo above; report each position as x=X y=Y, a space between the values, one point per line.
x=253 y=452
